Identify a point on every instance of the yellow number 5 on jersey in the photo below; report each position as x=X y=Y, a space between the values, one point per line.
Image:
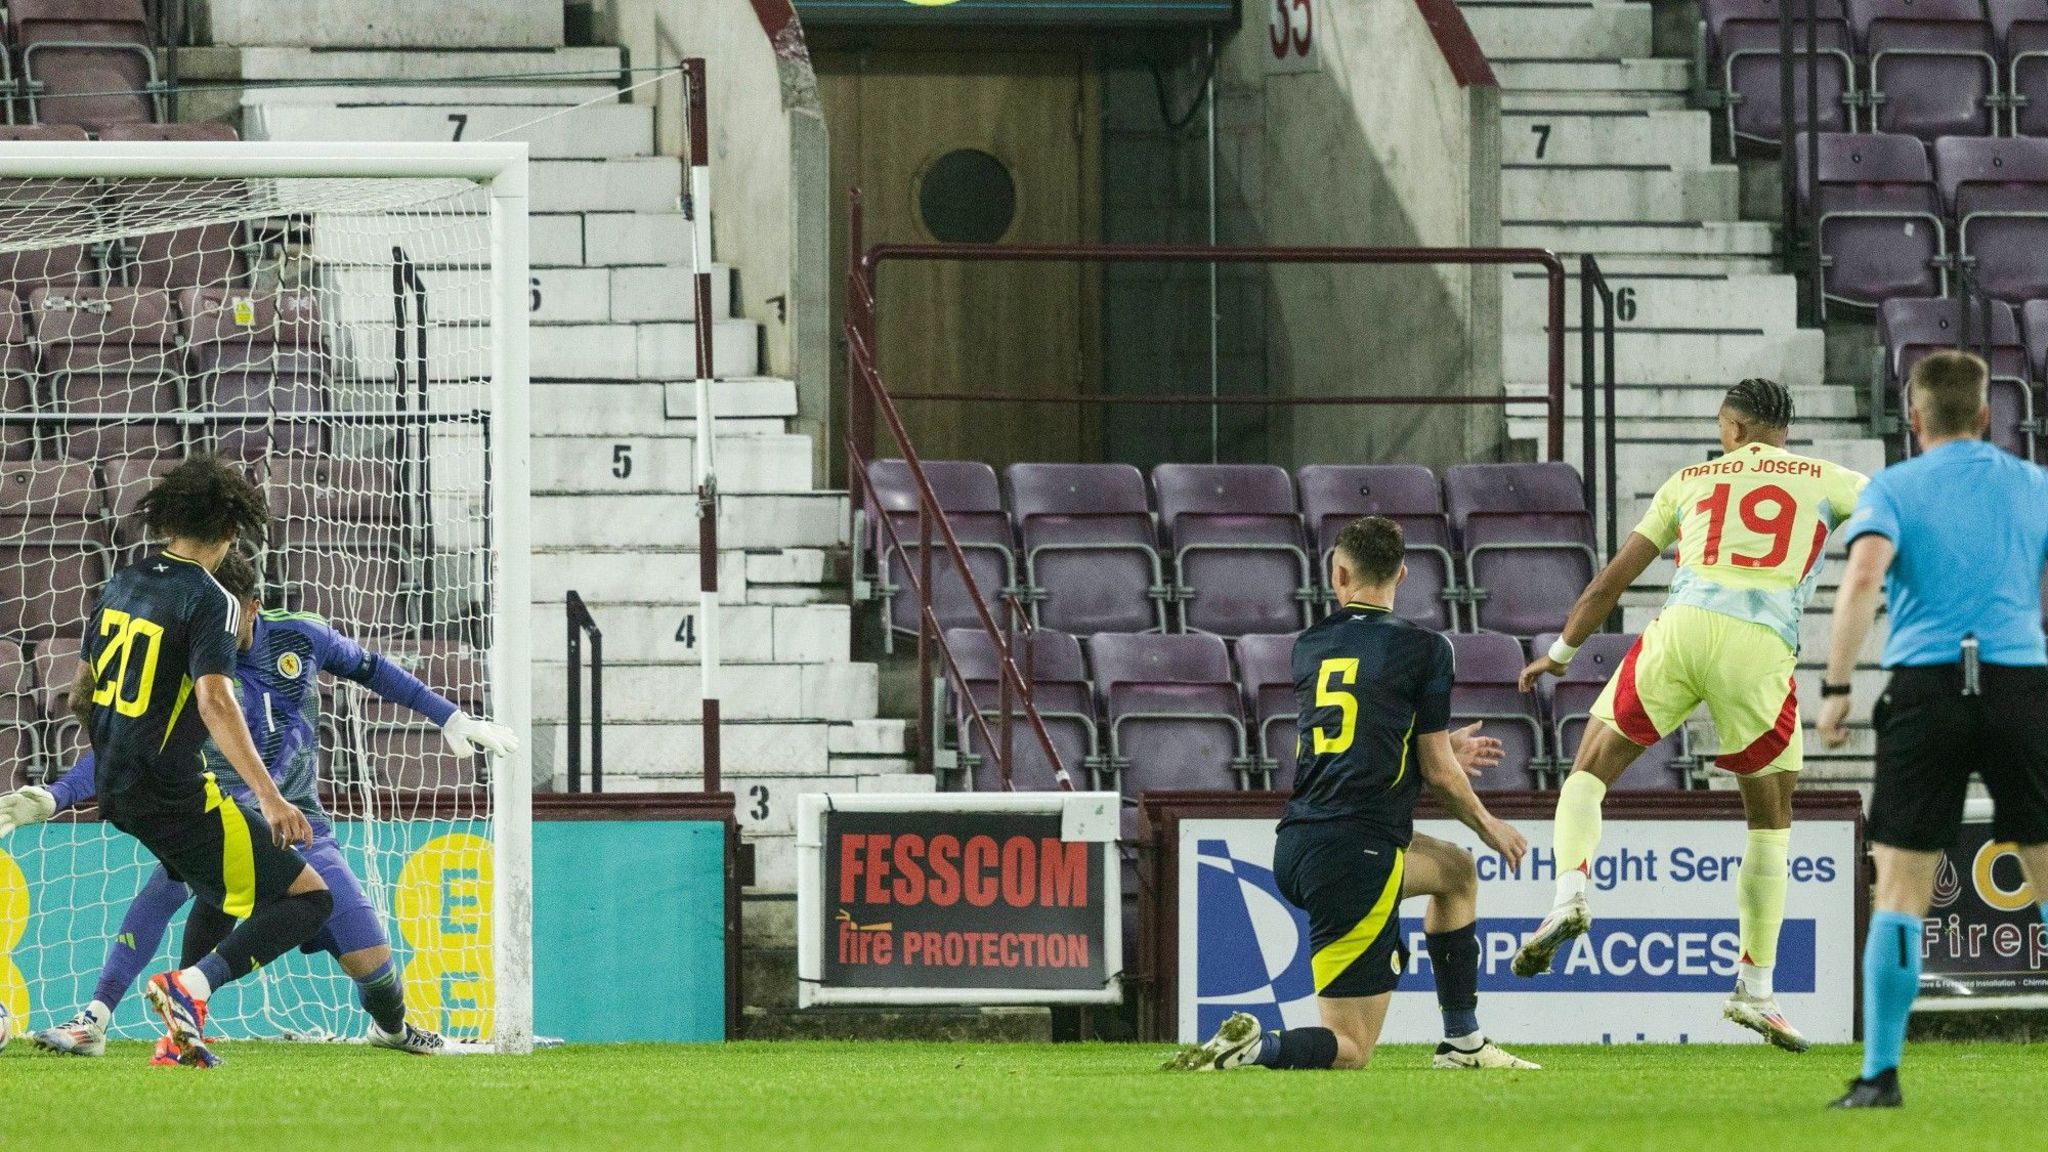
x=1342 y=671
x=125 y=629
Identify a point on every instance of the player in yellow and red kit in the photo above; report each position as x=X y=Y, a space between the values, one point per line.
x=1751 y=526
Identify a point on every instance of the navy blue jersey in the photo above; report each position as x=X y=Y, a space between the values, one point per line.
x=1366 y=684
x=159 y=626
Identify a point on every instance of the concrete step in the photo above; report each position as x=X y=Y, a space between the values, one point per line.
x=602 y=131
x=790 y=520
x=610 y=464
x=1681 y=356
x=629 y=574
x=1637 y=238
x=610 y=239
x=1642 y=76
x=651 y=409
x=772 y=748
x=1702 y=402
x=749 y=633
x=633 y=184
x=673 y=693
x=433 y=66
x=1609 y=192
x=1680 y=139
x=1580 y=31
x=1759 y=303
x=535 y=99
x=1573 y=100
x=649 y=351
x=624 y=295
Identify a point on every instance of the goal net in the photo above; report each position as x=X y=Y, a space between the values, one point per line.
x=336 y=322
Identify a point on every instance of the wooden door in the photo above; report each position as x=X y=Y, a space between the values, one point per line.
x=980 y=147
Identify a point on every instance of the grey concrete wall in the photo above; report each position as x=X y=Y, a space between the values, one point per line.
x=387 y=23
x=1380 y=146
x=769 y=168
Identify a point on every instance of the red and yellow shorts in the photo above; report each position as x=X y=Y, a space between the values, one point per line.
x=1742 y=670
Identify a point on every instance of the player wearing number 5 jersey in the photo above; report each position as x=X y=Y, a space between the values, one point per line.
x=1751 y=526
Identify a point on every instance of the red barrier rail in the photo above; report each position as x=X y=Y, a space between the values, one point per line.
x=867 y=395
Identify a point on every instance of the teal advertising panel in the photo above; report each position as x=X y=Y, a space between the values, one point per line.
x=626 y=913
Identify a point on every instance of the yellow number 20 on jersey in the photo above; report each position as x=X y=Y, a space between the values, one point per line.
x=125 y=629
x=1340 y=671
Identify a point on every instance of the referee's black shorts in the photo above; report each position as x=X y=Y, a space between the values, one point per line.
x=1931 y=738
x=216 y=847
x=1348 y=880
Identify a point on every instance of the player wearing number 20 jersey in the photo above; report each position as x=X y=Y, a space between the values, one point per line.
x=1751 y=526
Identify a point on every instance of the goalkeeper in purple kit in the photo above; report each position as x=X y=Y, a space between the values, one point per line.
x=277 y=683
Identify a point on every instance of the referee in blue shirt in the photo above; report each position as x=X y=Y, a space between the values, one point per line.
x=1956 y=538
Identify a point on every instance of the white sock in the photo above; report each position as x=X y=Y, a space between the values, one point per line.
x=1569 y=885
x=1756 y=981
x=196 y=984
x=1470 y=1042
x=98 y=1013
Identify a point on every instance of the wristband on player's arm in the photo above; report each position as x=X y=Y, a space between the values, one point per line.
x=1561 y=652
x=1827 y=690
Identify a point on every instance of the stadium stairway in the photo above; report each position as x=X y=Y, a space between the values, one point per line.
x=614 y=424
x=1600 y=153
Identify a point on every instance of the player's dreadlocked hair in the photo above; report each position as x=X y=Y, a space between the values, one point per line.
x=205 y=499
x=1766 y=402
x=238 y=576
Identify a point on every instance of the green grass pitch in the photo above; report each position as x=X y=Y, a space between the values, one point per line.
x=941 y=1097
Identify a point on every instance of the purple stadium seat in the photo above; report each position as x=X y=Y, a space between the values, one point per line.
x=2021 y=27
x=1880 y=220
x=338 y=542
x=1333 y=495
x=1265 y=667
x=20 y=719
x=207 y=256
x=1091 y=554
x=55 y=553
x=126 y=481
x=63 y=740
x=1174 y=714
x=1742 y=47
x=1933 y=66
x=973 y=506
x=1997 y=192
x=17 y=380
x=1237 y=547
x=86 y=62
x=1911 y=330
x=1528 y=542
x=1484 y=689
x=111 y=352
x=1059 y=691
x=257 y=355
x=1661 y=767
x=407 y=755
x=38 y=217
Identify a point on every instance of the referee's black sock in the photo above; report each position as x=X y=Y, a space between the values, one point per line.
x=1454 y=958
x=270 y=932
x=1298 y=1048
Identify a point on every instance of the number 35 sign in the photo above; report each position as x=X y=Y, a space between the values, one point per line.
x=1291 y=33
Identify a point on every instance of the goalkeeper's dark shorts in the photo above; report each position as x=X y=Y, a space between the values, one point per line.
x=216 y=847
x=1930 y=740
x=1348 y=880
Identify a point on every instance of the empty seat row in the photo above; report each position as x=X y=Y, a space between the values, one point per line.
x=1892 y=222
x=362 y=739
x=2016 y=350
x=1923 y=68
x=1140 y=712
x=95 y=373
x=339 y=546
x=82 y=62
x=1227 y=548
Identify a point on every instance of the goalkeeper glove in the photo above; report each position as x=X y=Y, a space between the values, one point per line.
x=464 y=733
x=31 y=805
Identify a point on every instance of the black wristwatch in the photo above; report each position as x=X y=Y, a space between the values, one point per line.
x=1827 y=690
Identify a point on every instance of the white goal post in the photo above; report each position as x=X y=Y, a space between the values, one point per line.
x=340 y=217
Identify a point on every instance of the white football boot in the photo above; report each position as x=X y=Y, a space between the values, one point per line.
x=1761 y=1015
x=79 y=1036
x=418 y=1041
x=1487 y=1055
x=1566 y=922
x=1230 y=1047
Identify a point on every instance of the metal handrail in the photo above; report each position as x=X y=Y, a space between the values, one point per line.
x=1593 y=284
x=580 y=622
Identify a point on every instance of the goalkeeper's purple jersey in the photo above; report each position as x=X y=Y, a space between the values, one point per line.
x=277 y=682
